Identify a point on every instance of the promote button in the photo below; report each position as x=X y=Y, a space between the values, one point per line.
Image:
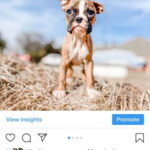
x=128 y=119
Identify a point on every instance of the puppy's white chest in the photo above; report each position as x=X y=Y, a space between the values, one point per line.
x=78 y=50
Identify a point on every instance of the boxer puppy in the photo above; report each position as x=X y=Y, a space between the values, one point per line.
x=77 y=48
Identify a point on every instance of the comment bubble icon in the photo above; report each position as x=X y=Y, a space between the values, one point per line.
x=26 y=138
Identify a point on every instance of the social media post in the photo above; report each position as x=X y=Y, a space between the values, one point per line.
x=74 y=74
x=74 y=130
x=49 y=62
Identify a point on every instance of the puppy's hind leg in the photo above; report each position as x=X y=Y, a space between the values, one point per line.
x=83 y=74
x=69 y=74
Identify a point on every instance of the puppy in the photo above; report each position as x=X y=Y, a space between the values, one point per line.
x=77 y=47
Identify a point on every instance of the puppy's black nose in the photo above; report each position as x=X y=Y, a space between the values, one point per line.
x=79 y=19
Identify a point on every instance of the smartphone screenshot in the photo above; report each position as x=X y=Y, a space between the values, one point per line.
x=74 y=75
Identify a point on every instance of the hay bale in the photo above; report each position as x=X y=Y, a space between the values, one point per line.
x=28 y=86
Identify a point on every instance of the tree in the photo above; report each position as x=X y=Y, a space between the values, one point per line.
x=2 y=44
x=31 y=41
x=34 y=45
x=49 y=48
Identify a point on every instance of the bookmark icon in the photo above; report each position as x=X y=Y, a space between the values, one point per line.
x=42 y=136
x=139 y=137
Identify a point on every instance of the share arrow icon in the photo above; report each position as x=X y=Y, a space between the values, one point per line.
x=42 y=136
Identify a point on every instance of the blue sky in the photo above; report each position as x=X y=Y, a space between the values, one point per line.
x=122 y=20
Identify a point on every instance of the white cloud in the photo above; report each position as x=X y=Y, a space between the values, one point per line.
x=15 y=21
x=16 y=18
x=142 y=5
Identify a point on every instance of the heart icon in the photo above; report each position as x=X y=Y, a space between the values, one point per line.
x=10 y=137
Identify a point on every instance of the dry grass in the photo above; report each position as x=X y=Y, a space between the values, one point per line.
x=27 y=86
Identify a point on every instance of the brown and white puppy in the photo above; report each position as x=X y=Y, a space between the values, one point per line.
x=77 y=48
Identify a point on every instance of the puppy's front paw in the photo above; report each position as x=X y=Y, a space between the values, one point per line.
x=92 y=93
x=59 y=93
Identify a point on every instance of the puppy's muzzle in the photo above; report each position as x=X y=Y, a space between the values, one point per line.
x=79 y=19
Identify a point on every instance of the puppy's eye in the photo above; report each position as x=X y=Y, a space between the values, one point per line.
x=90 y=12
x=69 y=11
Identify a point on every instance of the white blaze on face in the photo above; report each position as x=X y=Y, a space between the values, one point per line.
x=63 y=2
x=81 y=9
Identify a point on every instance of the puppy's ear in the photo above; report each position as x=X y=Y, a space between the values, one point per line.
x=64 y=4
x=99 y=7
